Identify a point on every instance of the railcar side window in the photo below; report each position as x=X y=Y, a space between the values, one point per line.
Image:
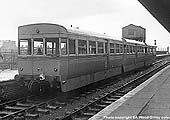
x=117 y=48
x=138 y=49
x=92 y=47
x=38 y=46
x=82 y=47
x=151 y=50
x=112 y=49
x=130 y=49
x=25 y=47
x=72 y=46
x=121 y=48
x=63 y=46
x=145 y=49
x=154 y=50
x=142 y=49
x=127 y=47
x=52 y=46
x=134 y=49
x=106 y=47
x=100 y=47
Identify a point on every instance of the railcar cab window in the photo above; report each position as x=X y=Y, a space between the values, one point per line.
x=52 y=47
x=63 y=45
x=100 y=46
x=38 y=46
x=25 y=47
x=82 y=47
x=92 y=47
x=72 y=46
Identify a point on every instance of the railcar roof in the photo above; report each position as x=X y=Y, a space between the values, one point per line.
x=137 y=42
x=134 y=41
x=89 y=33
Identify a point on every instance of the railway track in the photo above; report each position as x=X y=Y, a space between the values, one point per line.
x=108 y=98
x=33 y=107
x=27 y=108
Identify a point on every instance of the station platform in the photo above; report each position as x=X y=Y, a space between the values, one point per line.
x=7 y=74
x=150 y=100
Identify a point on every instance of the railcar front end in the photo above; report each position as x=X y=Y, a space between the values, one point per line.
x=39 y=64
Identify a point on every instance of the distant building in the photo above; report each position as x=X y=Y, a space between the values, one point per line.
x=8 y=46
x=134 y=32
x=8 y=54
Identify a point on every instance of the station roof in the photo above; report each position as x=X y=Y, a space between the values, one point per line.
x=160 y=9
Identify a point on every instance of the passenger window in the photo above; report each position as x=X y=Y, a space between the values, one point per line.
x=100 y=47
x=38 y=46
x=142 y=49
x=63 y=46
x=92 y=47
x=72 y=46
x=106 y=48
x=151 y=50
x=121 y=48
x=82 y=47
x=112 y=49
x=127 y=47
x=134 y=49
x=130 y=49
x=52 y=46
x=138 y=49
x=148 y=50
x=25 y=47
x=117 y=48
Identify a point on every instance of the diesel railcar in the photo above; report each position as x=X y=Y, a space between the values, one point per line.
x=51 y=55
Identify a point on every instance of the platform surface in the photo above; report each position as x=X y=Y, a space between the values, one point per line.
x=150 y=100
x=7 y=74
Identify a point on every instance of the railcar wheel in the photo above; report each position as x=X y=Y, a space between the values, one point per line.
x=44 y=87
x=34 y=87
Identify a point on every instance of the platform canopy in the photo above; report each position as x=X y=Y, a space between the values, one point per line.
x=160 y=9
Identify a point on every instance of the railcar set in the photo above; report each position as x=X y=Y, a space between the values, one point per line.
x=51 y=55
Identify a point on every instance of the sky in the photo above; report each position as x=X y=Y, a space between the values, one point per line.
x=101 y=16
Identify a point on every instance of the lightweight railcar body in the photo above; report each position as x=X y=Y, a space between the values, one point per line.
x=68 y=59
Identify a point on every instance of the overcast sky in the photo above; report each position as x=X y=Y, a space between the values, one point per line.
x=102 y=16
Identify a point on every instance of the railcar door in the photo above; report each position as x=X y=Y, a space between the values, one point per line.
x=106 y=57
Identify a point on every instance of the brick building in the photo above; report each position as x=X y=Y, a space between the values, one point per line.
x=134 y=32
